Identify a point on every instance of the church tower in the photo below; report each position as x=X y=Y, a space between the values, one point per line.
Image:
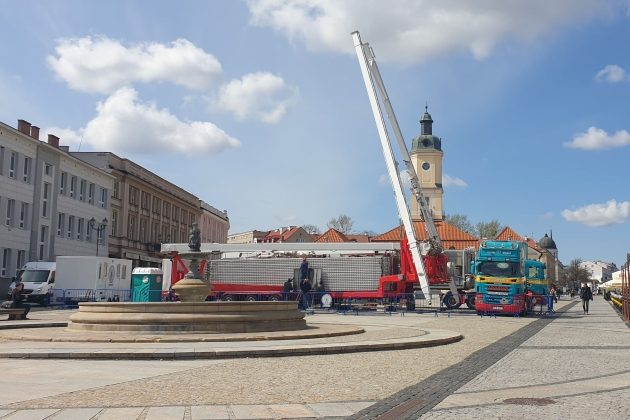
x=426 y=157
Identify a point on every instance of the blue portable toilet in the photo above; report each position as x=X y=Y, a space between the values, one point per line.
x=146 y=284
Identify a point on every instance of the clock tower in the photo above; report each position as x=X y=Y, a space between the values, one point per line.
x=426 y=157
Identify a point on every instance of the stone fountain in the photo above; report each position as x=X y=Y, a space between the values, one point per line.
x=193 y=314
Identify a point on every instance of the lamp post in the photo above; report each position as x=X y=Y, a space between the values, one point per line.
x=99 y=230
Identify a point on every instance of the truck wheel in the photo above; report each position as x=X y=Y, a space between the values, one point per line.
x=251 y=298
x=274 y=298
x=470 y=301
x=227 y=298
x=450 y=301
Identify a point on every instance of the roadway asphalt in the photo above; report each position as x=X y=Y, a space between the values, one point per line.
x=567 y=365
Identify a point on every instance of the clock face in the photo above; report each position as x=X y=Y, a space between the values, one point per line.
x=426 y=166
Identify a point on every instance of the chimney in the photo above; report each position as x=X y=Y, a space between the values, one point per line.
x=35 y=132
x=53 y=140
x=24 y=127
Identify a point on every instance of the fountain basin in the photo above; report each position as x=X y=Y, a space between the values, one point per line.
x=187 y=317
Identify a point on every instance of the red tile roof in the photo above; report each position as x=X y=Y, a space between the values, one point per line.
x=509 y=234
x=332 y=235
x=279 y=235
x=451 y=236
x=360 y=238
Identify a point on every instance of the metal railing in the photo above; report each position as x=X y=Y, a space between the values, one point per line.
x=72 y=297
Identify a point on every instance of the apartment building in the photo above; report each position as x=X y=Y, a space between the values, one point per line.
x=249 y=237
x=37 y=222
x=146 y=210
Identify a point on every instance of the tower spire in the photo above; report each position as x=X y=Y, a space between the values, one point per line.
x=426 y=122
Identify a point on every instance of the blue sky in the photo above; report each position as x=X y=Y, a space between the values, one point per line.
x=259 y=107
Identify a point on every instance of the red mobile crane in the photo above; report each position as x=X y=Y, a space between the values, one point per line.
x=425 y=261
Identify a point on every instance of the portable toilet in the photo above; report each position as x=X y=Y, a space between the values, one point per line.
x=146 y=284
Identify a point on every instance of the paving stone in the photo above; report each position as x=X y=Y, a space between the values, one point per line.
x=207 y=412
x=272 y=411
x=30 y=414
x=76 y=413
x=127 y=413
x=165 y=413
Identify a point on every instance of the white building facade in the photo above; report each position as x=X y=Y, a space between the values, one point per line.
x=601 y=271
x=30 y=202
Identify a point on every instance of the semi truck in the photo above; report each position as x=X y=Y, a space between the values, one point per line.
x=500 y=280
x=537 y=283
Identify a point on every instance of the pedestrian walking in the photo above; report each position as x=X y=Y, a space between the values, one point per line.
x=305 y=284
x=287 y=288
x=586 y=295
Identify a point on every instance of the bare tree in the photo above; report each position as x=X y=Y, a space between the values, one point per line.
x=461 y=222
x=311 y=229
x=574 y=274
x=343 y=224
x=489 y=229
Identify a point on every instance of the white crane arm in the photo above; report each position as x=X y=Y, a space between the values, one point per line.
x=370 y=74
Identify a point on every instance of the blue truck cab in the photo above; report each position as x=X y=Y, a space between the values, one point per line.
x=500 y=281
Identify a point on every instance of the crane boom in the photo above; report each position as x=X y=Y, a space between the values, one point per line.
x=414 y=183
x=372 y=77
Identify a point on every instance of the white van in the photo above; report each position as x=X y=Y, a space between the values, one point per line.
x=39 y=279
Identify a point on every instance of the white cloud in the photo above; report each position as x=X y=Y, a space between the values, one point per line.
x=414 y=30
x=451 y=181
x=383 y=180
x=599 y=214
x=123 y=125
x=260 y=96
x=612 y=73
x=598 y=139
x=102 y=65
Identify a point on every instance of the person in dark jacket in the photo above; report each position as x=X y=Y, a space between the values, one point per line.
x=586 y=295
x=287 y=288
x=17 y=298
x=305 y=287
x=305 y=284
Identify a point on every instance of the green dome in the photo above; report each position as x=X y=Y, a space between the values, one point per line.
x=426 y=140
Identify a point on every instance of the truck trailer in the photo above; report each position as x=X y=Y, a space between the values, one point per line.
x=91 y=278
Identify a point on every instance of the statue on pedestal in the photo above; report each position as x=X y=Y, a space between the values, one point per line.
x=194 y=241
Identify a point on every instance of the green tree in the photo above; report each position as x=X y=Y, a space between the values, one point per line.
x=311 y=229
x=461 y=222
x=489 y=229
x=343 y=224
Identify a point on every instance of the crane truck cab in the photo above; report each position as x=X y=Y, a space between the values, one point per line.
x=39 y=279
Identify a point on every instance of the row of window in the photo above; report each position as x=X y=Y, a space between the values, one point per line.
x=157 y=206
x=15 y=166
x=9 y=257
x=82 y=190
x=139 y=231
x=77 y=228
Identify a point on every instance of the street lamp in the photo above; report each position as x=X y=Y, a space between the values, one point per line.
x=99 y=230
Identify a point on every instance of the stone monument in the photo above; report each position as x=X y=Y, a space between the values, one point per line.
x=193 y=287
